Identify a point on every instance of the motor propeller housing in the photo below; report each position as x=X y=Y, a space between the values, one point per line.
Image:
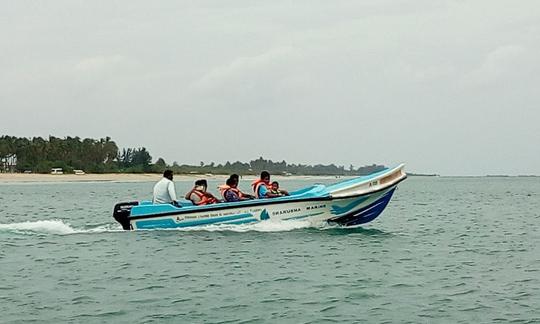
x=121 y=213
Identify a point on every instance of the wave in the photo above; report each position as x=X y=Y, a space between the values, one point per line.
x=59 y=227
x=55 y=226
x=266 y=226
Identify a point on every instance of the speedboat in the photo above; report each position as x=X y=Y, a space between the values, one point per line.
x=350 y=202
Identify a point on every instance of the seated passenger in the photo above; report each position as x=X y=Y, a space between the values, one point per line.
x=261 y=187
x=164 y=191
x=223 y=188
x=232 y=193
x=276 y=191
x=199 y=196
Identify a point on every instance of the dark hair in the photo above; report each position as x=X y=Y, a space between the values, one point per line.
x=231 y=181
x=265 y=174
x=201 y=182
x=168 y=174
x=234 y=176
x=275 y=183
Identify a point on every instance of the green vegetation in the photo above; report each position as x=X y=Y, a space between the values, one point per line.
x=70 y=153
x=103 y=155
x=256 y=166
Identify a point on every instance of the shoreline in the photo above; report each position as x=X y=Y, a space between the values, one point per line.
x=6 y=178
x=131 y=177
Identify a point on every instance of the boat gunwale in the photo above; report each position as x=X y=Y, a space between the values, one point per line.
x=259 y=202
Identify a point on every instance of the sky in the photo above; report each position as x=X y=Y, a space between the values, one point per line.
x=447 y=87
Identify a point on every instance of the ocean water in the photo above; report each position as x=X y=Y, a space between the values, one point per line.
x=446 y=250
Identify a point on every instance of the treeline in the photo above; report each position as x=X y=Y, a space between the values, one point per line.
x=71 y=153
x=260 y=164
x=103 y=155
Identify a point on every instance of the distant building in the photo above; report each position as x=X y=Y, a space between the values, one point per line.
x=8 y=164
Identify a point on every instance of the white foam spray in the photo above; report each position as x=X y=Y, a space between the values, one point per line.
x=266 y=226
x=54 y=226
x=59 y=227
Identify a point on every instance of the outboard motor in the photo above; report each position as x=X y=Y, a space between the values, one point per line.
x=121 y=213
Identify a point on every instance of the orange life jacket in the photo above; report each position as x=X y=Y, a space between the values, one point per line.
x=224 y=188
x=204 y=199
x=257 y=184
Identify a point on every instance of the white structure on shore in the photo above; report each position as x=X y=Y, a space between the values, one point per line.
x=8 y=163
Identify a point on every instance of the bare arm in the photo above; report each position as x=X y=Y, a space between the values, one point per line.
x=271 y=195
x=188 y=195
x=247 y=196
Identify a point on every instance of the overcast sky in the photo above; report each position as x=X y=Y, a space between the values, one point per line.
x=451 y=87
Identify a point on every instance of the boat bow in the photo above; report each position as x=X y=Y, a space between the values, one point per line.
x=367 y=184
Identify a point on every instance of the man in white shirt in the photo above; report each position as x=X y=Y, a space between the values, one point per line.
x=164 y=192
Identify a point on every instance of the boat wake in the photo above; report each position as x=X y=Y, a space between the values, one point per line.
x=266 y=226
x=59 y=227
x=55 y=226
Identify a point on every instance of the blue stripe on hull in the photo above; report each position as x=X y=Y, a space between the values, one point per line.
x=337 y=210
x=366 y=214
x=171 y=223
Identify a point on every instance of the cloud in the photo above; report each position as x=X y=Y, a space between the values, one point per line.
x=103 y=65
x=392 y=80
x=99 y=63
x=501 y=63
x=243 y=68
x=248 y=81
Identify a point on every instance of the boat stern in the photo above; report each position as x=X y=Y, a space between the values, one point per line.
x=121 y=213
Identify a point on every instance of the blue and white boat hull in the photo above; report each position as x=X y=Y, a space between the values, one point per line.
x=347 y=203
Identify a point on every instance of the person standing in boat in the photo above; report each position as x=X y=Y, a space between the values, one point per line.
x=232 y=193
x=164 y=191
x=262 y=187
x=225 y=187
x=199 y=196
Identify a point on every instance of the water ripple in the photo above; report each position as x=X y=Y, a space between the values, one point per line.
x=445 y=250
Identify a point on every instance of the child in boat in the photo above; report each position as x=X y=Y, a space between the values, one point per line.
x=276 y=191
x=263 y=188
x=199 y=196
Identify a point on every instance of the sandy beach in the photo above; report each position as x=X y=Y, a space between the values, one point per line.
x=128 y=177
